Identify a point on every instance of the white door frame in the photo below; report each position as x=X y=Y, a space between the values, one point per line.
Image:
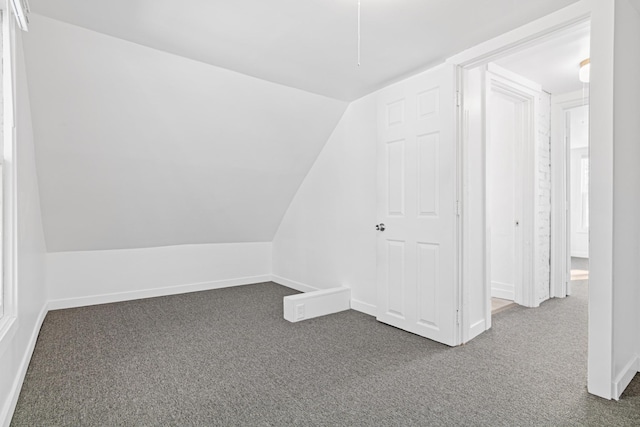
x=601 y=137
x=524 y=94
x=518 y=39
x=560 y=193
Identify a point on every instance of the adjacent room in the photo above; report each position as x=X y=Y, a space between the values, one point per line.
x=322 y=212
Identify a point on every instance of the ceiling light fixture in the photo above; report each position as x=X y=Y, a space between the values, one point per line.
x=585 y=71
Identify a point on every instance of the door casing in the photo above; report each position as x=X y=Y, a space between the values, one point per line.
x=547 y=27
x=560 y=193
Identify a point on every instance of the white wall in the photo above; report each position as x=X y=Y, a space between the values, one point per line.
x=543 y=204
x=327 y=237
x=626 y=202
x=140 y=148
x=95 y=277
x=16 y=348
x=613 y=250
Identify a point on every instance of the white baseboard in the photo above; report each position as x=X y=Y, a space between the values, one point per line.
x=626 y=375
x=302 y=287
x=10 y=405
x=157 y=292
x=503 y=290
x=364 y=307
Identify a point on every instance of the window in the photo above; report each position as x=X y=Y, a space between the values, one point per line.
x=4 y=291
x=8 y=291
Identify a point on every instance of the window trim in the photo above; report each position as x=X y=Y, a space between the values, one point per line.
x=8 y=269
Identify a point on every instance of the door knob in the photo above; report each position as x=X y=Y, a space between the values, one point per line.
x=380 y=227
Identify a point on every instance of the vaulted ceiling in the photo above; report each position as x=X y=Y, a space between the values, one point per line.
x=139 y=148
x=162 y=122
x=306 y=44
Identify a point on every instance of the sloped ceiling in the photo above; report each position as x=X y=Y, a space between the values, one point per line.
x=137 y=148
x=307 y=44
x=163 y=122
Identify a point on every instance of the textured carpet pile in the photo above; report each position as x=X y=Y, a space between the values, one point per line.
x=227 y=357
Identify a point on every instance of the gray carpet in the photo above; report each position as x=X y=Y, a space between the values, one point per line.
x=227 y=357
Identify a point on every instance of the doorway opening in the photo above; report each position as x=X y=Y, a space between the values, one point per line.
x=577 y=136
x=523 y=110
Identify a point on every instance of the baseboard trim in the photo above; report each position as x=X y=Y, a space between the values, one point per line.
x=364 y=307
x=302 y=287
x=12 y=401
x=156 y=292
x=626 y=375
x=503 y=290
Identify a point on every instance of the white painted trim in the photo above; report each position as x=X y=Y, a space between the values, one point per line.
x=157 y=292
x=524 y=36
x=560 y=203
x=364 y=307
x=513 y=77
x=626 y=375
x=302 y=287
x=477 y=328
x=20 y=13
x=503 y=293
x=8 y=326
x=579 y=254
x=10 y=404
x=9 y=215
x=308 y=305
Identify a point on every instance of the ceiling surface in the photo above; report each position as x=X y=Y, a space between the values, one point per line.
x=140 y=148
x=555 y=62
x=310 y=44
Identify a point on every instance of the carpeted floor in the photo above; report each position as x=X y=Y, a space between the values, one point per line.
x=227 y=357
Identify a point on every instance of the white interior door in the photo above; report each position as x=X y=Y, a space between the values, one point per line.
x=504 y=202
x=512 y=185
x=417 y=196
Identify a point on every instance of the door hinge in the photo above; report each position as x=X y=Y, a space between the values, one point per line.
x=458 y=99
x=458 y=208
x=457 y=317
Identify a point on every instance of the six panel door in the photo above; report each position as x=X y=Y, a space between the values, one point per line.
x=417 y=170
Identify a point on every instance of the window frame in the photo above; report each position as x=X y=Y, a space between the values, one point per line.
x=8 y=215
